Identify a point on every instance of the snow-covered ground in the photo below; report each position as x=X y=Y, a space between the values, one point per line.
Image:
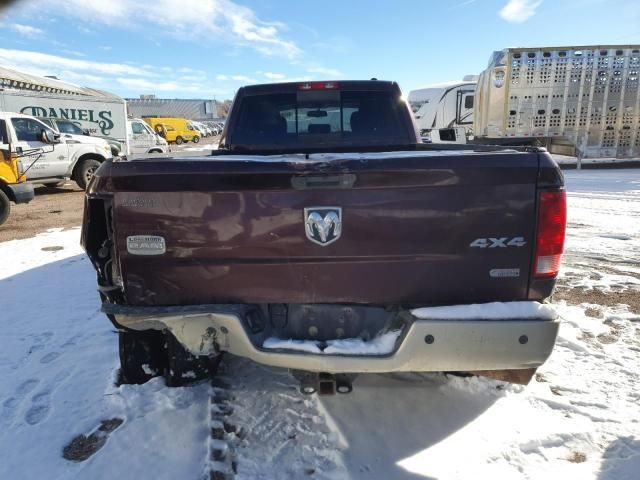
x=580 y=417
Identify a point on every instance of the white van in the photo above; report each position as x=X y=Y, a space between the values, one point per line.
x=142 y=139
x=200 y=128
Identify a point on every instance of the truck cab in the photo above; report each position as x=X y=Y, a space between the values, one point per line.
x=73 y=130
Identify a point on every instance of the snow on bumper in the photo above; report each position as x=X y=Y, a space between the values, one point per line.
x=459 y=338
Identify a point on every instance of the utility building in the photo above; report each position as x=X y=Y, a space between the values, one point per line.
x=193 y=109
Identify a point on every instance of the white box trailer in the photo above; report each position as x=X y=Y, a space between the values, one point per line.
x=100 y=117
x=100 y=113
x=576 y=100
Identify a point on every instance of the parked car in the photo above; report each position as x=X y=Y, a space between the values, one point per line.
x=76 y=157
x=324 y=237
x=67 y=127
x=201 y=129
x=173 y=129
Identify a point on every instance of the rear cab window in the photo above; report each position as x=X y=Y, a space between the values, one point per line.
x=322 y=117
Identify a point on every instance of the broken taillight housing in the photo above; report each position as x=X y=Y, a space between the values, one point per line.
x=552 y=221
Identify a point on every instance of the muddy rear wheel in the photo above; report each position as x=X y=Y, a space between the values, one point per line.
x=142 y=355
x=183 y=367
x=179 y=140
x=5 y=207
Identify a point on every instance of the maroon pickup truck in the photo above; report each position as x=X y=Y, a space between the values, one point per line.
x=323 y=237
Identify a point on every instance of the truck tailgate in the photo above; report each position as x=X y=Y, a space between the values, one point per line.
x=417 y=228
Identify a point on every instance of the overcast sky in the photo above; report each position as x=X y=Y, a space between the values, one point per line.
x=208 y=48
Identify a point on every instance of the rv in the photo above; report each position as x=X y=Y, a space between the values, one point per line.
x=444 y=106
x=582 y=101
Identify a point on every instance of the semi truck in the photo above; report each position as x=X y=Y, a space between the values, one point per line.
x=576 y=100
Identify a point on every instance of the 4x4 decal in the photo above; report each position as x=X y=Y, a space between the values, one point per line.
x=499 y=242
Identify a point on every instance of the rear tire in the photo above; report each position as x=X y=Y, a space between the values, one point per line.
x=5 y=207
x=179 y=140
x=142 y=355
x=183 y=367
x=85 y=172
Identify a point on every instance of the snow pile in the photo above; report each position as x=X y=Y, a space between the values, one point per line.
x=488 y=311
x=310 y=346
x=380 y=345
x=602 y=214
x=577 y=419
x=58 y=362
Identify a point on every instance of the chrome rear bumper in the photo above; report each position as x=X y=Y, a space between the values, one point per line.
x=425 y=345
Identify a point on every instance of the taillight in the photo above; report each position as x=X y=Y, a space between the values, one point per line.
x=318 y=86
x=552 y=221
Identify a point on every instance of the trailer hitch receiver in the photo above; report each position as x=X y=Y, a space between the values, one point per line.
x=323 y=383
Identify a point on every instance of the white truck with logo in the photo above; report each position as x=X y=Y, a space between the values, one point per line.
x=76 y=157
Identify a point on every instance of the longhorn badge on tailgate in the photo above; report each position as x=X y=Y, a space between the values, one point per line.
x=323 y=225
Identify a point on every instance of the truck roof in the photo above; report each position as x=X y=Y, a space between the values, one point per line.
x=429 y=91
x=293 y=87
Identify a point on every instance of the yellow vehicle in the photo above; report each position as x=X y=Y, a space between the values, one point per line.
x=13 y=181
x=13 y=184
x=174 y=130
